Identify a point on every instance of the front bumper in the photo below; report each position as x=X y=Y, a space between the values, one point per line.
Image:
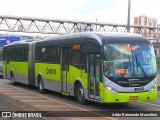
x=109 y=97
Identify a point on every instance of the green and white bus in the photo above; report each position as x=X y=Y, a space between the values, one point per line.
x=100 y=67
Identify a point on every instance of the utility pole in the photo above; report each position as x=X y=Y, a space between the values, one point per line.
x=128 y=20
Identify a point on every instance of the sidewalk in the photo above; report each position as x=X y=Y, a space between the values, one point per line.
x=27 y=103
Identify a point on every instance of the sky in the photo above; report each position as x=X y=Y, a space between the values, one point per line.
x=107 y=11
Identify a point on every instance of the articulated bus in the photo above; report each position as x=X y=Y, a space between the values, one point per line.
x=100 y=67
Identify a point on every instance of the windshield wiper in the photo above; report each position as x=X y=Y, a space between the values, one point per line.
x=126 y=67
x=141 y=68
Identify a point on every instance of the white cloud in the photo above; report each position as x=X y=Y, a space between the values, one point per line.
x=65 y=9
x=146 y=7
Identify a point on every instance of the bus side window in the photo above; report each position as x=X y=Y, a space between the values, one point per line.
x=1 y=53
x=78 y=56
x=41 y=54
x=7 y=56
x=83 y=58
x=54 y=54
x=75 y=55
x=51 y=54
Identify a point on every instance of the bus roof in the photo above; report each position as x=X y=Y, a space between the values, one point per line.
x=100 y=37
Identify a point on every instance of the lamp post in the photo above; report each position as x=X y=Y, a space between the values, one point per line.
x=128 y=20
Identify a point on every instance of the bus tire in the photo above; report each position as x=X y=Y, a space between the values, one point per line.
x=13 y=79
x=80 y=97
x=41 y=85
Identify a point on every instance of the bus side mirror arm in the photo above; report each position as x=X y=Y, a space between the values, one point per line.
x=102 y=55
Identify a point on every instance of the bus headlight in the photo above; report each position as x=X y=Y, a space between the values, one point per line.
x=154 y=87
x=111 y=89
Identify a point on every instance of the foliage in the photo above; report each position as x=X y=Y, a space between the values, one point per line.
x=158 y=61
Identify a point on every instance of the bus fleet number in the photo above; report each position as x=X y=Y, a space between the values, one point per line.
x=139 y=89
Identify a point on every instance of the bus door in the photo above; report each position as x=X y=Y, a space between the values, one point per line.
x=94 y=71
x=64 y=68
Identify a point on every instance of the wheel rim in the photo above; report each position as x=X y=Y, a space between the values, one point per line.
x=12 y=79
x=80 y=93
x=40 y=85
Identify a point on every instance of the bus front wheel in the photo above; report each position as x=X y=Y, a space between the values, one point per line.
x=80 y=94
x=41 y=85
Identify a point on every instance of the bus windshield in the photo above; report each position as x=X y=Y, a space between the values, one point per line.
x=129 y=61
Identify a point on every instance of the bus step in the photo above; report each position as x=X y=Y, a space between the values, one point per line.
x=64 y=93
x=94 y=100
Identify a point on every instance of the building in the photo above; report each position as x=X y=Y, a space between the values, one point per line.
x=158 y=32
x=156 y=46
x=146 y=21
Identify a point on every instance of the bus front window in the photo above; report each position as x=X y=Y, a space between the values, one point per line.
x=129 y=61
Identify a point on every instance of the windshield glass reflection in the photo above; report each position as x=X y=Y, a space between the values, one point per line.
x=129 y=60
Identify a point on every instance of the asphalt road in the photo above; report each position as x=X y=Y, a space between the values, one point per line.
x=91 y=106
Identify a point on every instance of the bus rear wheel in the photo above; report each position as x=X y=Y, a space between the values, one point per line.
x=80 y=94
x=40 y=85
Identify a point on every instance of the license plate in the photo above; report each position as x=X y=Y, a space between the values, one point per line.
x=133 y=98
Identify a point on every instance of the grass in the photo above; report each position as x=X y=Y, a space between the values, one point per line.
x=158 y=61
